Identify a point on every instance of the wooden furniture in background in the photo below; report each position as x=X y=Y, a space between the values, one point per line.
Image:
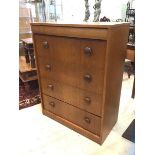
x=130 y=60
x=29 y=51
x=80 y=70
x=130 y=17
x=26 y=72
x=129 y=133
x=130 y=55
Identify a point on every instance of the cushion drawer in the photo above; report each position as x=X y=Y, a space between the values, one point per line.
x=77 y=116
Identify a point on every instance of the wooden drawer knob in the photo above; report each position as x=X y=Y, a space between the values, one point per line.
x=87 y=100
x=88 y=51
x=88 y=77
x=87 y=120
x=50 y=86
x=45 y=44
x=48 y=67
x=52 y=104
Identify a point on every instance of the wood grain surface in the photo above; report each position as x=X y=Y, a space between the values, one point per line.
x=83 y=85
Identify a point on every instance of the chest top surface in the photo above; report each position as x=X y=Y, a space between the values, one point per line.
x=82 y=24
x=93 y=30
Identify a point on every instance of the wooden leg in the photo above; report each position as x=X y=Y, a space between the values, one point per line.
x=27 y=86
x=128 y=68
x=32 y=60
x=129 y=74
x=26 y=55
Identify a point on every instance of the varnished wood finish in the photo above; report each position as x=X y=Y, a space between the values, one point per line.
x=115 y=56
x=73 y=126
x=60 y=91
x=98 y=51
x=130 y=54
x=73 y=114
x=82 y=88
x=76 y=96
x=85 y=78
x=95 y=84
x=72 y=68
x=74 y=32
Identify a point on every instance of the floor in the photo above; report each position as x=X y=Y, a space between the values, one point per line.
x=40 y=135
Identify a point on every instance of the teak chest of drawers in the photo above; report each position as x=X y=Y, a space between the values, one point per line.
x=80 y=69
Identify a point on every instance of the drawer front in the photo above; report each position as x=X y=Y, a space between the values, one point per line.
x=79 y=117
x=44 y=46
x=90 y=102
x=82 y=99
x=92 y=53
x=66 y=50
x=85 y=52
x=87 y=79
x=61 y=91
x=77 y=62
x=57 y=71
x=65 y=72
x=91 y=80
x=45 y=67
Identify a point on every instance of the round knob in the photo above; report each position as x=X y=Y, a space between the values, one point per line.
x=52 y=104
x=88 y=51
x=87 y=120
x=50 y=86
x=88 y=77
x=87 y=100
x=48 y=67
x=45 y=44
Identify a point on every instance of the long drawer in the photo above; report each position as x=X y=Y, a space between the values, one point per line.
x=85 y=52
x=88 y=79
x=75 y=115
x=85 y=100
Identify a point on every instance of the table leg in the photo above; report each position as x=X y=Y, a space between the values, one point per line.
x=32 y=59
x=26 y=55
x=27 y=86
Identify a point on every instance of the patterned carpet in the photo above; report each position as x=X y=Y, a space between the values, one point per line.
x=30 y=98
